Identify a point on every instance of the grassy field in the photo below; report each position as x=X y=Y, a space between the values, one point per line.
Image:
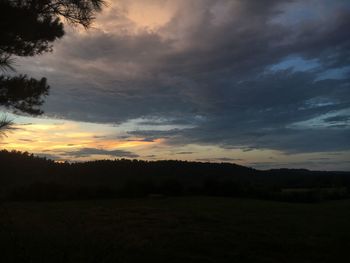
x=186 y=229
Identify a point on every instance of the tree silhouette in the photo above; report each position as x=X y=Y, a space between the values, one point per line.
x=5 y=124
x=28 y=28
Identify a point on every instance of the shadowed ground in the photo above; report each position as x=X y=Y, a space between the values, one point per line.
x=192 y=229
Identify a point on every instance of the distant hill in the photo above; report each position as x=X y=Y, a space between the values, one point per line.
x=28 y=177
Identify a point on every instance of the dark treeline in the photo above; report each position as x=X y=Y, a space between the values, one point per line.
x=24 y=176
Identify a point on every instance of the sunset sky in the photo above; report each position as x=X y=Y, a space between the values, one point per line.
x=259 y=83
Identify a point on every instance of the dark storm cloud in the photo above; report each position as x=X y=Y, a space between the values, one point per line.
x=86 y=152
x=209 y=67
x=260 y=113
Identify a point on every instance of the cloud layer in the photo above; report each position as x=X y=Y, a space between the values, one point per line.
x=87 y=152
x=238 y=74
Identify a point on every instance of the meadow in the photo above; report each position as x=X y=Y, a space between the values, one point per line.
x=174 y=229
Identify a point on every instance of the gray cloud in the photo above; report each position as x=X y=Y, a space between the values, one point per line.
x=208 y=67
x=184 y=152
x=86 y=152
x=221 y=159
x=26 y=140
x=340 y=118
x=315 y=165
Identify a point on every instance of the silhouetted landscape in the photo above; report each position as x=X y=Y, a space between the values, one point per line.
x=27 y=177
x=155 y=131
x=174 y=211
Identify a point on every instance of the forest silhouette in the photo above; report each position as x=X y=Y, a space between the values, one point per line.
x=27 y=177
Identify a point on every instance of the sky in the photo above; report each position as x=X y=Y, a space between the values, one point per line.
x=259 y=83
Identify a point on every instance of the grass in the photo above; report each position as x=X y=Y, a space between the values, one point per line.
x=186 y=229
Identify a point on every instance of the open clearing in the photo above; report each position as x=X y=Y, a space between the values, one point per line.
x=183 y=229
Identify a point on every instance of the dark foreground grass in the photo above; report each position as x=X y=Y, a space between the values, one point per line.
x=196 y=229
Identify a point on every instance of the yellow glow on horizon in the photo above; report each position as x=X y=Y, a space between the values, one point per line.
x=128 y=144
x=60 y=138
